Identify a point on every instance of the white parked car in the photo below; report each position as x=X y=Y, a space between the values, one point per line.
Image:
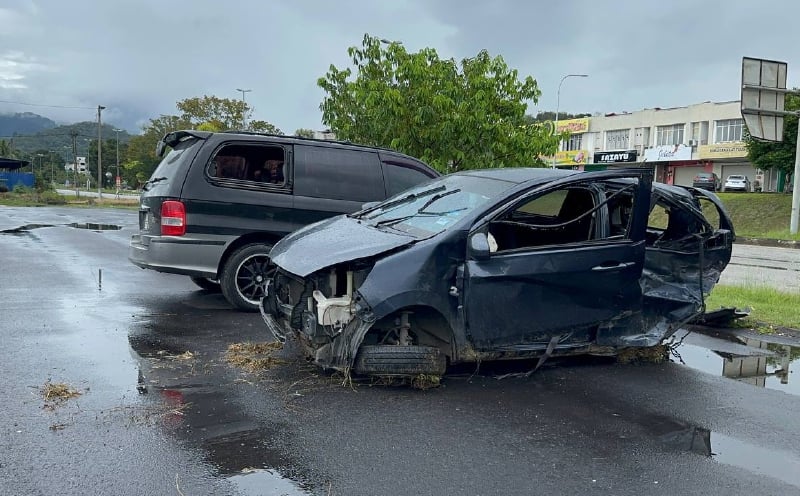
x=736 y=183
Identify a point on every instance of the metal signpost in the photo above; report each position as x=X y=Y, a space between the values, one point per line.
x=763 y=102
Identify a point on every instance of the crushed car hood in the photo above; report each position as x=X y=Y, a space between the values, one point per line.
x=347 y=239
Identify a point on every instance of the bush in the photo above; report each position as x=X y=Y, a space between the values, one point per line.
x=3 y=188
x=21 y=189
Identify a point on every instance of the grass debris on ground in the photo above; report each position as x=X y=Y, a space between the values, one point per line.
x=651 y=354
x=55 y=393
x=768 y=306
x=254 y=357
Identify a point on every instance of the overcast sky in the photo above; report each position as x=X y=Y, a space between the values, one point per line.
x=138 y=58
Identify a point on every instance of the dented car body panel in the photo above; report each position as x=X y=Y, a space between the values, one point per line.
x=503 y=264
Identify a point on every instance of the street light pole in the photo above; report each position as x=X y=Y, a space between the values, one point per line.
x=117 y=179
x=243 y=107
x=99 y=152
x=558 y=104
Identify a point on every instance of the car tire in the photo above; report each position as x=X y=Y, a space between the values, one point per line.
x=207 y=284
x=396 y=360
x=245 y=275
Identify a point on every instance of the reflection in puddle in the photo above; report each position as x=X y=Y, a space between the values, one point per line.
x=680 y=436
x=749 y=360
x=203 y=410
x=265 y=482
x=95 y=227
x=77 y=225
x=780 y=465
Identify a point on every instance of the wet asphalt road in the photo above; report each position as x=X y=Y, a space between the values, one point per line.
x=153 y=419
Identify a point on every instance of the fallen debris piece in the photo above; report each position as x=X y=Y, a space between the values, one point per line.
x=721 y=317
x=651 y=354
x=58 y=392
x=254 y=357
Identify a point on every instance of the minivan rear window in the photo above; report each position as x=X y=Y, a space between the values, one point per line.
x=170 y=165
x=400 y=177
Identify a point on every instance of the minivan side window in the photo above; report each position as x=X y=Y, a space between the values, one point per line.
x=264 y=165
x=400 y=176
x=338 y=174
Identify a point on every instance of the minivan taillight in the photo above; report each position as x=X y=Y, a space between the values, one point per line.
x=173 y=218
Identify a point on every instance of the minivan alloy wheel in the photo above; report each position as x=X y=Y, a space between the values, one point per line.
x=245 y=276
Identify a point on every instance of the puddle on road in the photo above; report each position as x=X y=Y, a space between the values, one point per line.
x=95 y=227
x=750 y=360
x=91 y=226
x=205 y=414
x=679 y=436
x=265 y=482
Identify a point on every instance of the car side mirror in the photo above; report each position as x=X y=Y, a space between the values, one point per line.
x=479 y=246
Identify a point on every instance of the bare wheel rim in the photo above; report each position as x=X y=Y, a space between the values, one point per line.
x=252 y=276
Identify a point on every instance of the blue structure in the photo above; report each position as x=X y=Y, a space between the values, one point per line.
x=11 y=179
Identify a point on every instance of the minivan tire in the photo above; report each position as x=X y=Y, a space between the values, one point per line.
x=396 y=360
x=206 y=284
x=245 y=274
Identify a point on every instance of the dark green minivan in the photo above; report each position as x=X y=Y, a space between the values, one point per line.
x=218 y=202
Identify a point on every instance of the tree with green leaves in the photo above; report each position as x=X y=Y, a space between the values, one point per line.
x=455 y=116
x=6 y=149
x=222 y=114
x=548 y=116
x=207 y=113
x=777 y=155
x=304 y=133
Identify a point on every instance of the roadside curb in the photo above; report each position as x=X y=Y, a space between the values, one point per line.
x=780 y=243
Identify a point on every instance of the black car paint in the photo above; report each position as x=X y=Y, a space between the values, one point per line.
x=645 y=293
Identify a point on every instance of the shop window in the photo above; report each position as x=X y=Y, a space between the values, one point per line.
x=729 y=130
x=669 y=135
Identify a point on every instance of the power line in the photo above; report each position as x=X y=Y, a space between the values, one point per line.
x=44 y=105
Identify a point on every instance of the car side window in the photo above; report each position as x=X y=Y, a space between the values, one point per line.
x=338 y=174
x=569 y=215
x=250 y=164
x=400 y=176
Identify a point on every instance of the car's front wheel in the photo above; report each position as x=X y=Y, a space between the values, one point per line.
x=399 y=360
x=245 y=275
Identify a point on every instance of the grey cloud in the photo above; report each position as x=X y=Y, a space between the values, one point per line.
x=138 y=58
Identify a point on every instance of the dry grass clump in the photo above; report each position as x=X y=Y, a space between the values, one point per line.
x=253 y=357
x=652 y=354
x=56 y=393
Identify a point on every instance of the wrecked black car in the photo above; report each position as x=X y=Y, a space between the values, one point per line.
x=499 y=264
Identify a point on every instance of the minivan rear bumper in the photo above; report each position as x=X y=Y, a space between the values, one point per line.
x=196 y=256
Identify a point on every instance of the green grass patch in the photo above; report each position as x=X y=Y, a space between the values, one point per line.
x=30 y=198
x=760 y=215
x=767 y=305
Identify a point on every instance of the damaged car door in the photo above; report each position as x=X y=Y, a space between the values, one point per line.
x=558 y=263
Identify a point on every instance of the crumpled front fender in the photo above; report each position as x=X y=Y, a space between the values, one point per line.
x=340 y=353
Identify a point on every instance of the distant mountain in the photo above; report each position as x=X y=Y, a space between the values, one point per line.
x=59 y=138
x=23 y=123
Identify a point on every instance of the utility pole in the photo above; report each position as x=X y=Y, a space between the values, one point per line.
x=244 y=107
x=117 y=181
x=99 y=152
x=74 y=135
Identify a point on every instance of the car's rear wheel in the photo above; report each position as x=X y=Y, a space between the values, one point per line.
x=206 y=283
x=399 y=361
x=245 y=275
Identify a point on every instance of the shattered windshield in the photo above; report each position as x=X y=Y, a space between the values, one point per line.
x=435 y=206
